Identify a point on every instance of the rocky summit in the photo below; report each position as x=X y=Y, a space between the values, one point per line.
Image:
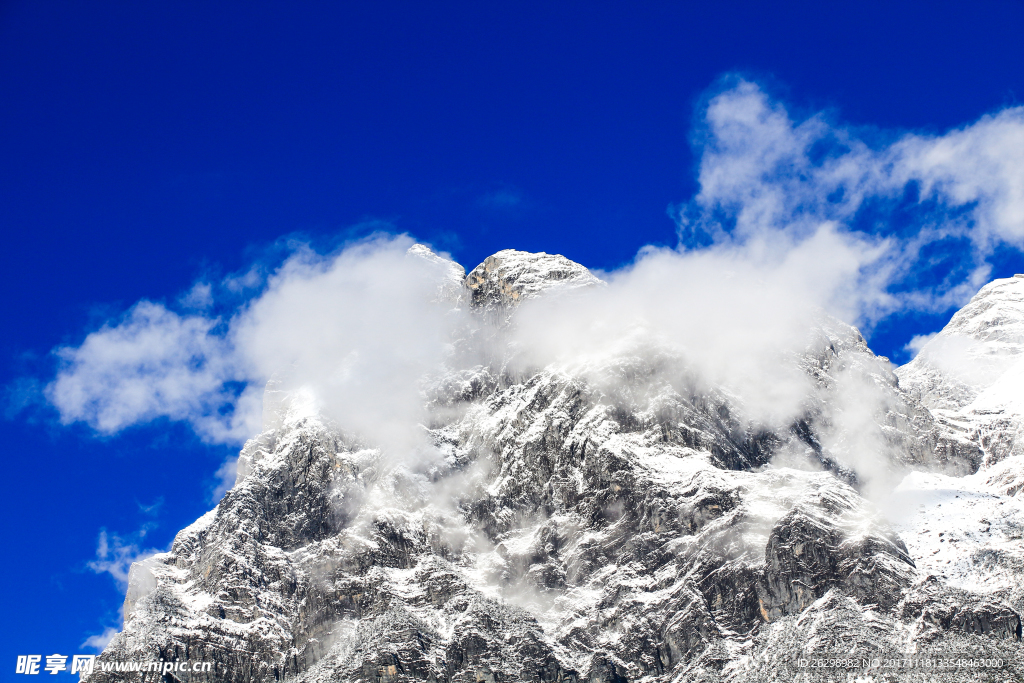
x=618 y=519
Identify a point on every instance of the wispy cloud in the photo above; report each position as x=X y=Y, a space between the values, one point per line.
x=792 y=216
x=153 y=508
x=940 y=203
x=200 y=297
x=918 y=342
x=226 y=475
x=115 y=555
x=100 y=641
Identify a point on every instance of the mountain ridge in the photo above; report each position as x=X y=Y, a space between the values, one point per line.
x=620 y=523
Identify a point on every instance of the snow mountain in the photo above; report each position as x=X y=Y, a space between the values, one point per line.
x=617 y=518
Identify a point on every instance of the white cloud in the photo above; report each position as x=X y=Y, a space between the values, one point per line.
x=918 y=342
x=249 y=280
x=226 y=475
x=967 y=360
x=777 y=214
x=977 y=164
x=357 y=330
x=152 y=363
x=200 y=297
x=733 y=312
x=100 y=641
x=765 y=178
x=116 y=554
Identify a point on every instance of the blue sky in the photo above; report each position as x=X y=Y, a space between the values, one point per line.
x=150 y=146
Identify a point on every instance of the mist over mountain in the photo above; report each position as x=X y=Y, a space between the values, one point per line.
x=686 y=470
x=689 y=467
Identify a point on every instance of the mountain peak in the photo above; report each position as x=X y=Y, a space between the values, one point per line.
x=981 y=342
x=509 y=277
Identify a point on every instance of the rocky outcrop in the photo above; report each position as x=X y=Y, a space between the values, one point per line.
x=499 y=284
x=935 y=608
x=824 y=544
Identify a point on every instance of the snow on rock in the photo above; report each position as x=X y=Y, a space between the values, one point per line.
x=971 y=374
x=453 y=275
x=509 y=277
x=978 y=345
x=969 y=531
x=569 y=530
x=964 y=531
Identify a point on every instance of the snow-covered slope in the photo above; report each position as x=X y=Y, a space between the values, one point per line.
x=980 y=343
x=970 y=374
x=963 y=531
x=969 y=530
x=608 y=520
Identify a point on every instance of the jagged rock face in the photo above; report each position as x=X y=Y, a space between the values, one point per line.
x=564 y=529
x=508 y=278
x=897 y=426
x=818 y=546
x=935 y=608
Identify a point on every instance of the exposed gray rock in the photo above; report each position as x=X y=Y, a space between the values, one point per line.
x=825 y=543
x=936 y=608
x=617 y=524
x=499 y=284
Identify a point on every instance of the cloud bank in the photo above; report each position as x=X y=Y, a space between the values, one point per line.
x=356 y=330
x=937 y=205
x=792 y=217
x=735 y=315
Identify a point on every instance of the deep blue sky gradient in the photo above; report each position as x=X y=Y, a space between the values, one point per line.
x=146 y=144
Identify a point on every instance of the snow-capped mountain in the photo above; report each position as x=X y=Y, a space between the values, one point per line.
x=615 y=518
x=969 y=531
x=971 y=374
